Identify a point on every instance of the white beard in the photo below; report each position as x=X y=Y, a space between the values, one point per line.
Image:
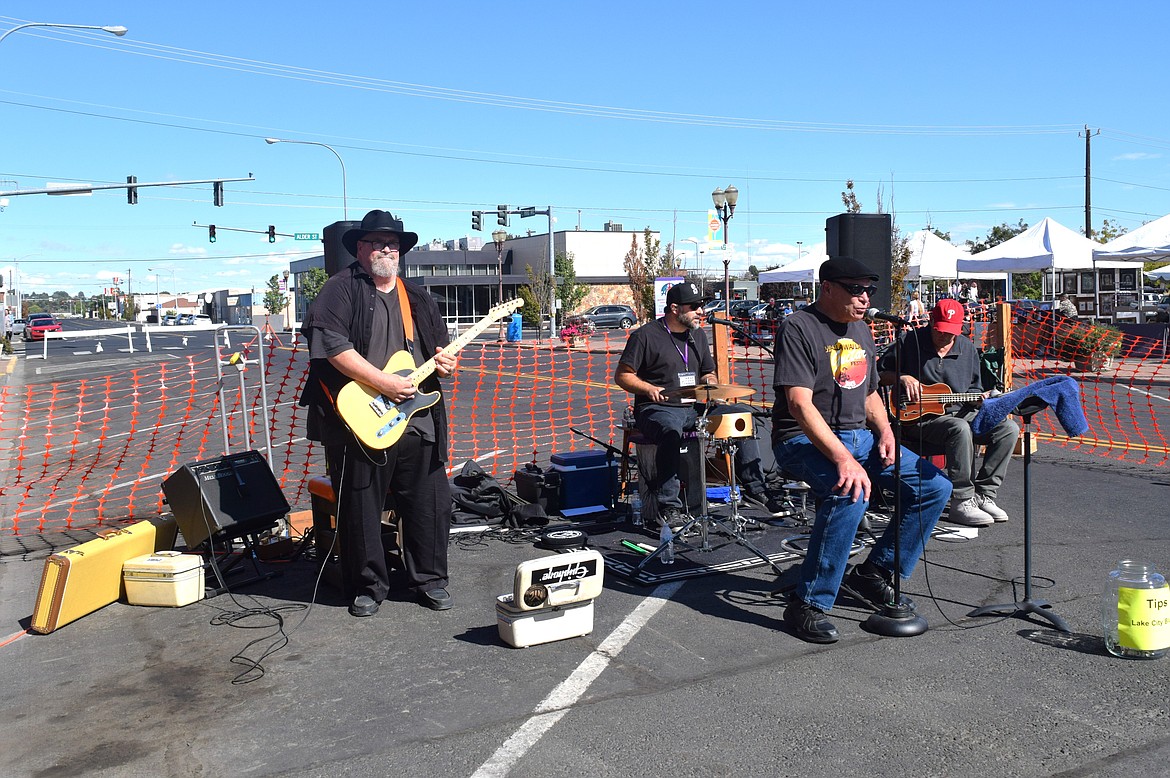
x=384 y=266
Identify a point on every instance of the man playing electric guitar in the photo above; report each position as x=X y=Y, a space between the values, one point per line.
x=362 y=316
x=941 y=354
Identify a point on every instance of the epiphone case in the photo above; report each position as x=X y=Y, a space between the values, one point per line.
x=79 y=580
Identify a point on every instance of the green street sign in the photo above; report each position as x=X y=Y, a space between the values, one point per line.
x=307 y=236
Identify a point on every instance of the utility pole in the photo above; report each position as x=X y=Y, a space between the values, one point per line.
x=1088 y=135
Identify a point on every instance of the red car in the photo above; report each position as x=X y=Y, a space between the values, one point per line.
x=38 y=325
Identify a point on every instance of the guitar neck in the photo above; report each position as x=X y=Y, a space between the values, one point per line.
x=423 y=371
x=954 y=398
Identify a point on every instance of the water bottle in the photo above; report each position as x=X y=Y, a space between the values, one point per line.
x=636 y=509
x=1136 y=612
x=666 y=538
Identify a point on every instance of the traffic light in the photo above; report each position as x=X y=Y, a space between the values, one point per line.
x=271 y=234
x=132 y=191
x=502 y=215
x=477 y=220
x=217 y=192
x=211 y=232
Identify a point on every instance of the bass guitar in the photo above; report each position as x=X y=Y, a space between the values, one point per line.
x=936 y=401
x=377 y=421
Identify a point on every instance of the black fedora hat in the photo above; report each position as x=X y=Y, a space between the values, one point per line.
x=379 y=221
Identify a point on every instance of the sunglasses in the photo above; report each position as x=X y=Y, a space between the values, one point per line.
x=380 y=245
x=857 y=289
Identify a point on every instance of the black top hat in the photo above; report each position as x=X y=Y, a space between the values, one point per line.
x=379 y=221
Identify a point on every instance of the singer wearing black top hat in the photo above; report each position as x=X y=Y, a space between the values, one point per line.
x=830 y=430
x=668 y=354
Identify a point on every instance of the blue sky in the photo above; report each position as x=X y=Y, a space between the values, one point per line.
x=962 y=115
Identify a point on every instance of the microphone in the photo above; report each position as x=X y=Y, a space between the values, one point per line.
x=874 y=313
x=724 y=322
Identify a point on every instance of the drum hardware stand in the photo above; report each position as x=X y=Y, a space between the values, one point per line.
x=1027 y=409
x=704 y=520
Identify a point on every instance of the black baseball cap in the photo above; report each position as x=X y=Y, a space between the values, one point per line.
x=845 y=267
x=685 y=293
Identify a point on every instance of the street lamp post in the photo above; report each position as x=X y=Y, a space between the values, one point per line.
x=157 y=304
x=799 y=285
x=344 y=202
x=113 y=30
x=499 y=236
x=287 y=298
x=725 y=200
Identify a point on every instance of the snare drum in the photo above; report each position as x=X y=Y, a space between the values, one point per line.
x=730 y=425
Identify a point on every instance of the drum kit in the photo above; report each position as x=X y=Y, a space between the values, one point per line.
x=726 y=430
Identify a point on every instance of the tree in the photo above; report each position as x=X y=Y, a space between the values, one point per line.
x=1024 y=285
x=569 y=292
x=1109 y=230
x=643 y=264
x=753 y=273
x=997 y=235
x=275 y=301
x=309 y=285
x=535 y=295
x=849 y=198
x=939 y=233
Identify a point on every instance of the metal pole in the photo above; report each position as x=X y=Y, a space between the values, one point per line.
x=552 y=266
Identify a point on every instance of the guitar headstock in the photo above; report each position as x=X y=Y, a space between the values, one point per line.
x=508 y=306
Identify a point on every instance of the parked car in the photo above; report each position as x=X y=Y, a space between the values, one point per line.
x=740 y=308
x=1022 y=308
x=714 y=308
x=18 y=327
x=622 y=316
x=202 y=318
x=37 y=327
x=184 y=318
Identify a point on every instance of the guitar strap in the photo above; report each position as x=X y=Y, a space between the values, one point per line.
x=407 y=319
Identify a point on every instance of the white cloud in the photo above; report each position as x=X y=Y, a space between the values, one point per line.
x=1135 y=156
x=184 y=250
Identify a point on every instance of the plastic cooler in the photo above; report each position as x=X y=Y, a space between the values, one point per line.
x=586 y=480
x=167 y=578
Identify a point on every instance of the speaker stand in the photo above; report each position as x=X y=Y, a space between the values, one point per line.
x=233 y=561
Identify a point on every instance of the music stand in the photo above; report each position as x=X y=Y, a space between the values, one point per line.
x=1026 y=410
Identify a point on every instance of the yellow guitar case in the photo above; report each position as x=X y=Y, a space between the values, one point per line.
x=79 y=580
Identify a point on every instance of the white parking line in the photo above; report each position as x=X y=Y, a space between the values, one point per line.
x=557 y=703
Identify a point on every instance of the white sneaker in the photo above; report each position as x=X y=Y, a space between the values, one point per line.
x=969 y=514
x=988 y=506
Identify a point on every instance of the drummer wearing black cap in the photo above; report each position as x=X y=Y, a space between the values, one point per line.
x=661 y=357
x=830 y=430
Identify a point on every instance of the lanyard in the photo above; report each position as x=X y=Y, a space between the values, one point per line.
x=682 y=352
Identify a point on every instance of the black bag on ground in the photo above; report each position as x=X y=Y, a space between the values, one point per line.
x=478 y=498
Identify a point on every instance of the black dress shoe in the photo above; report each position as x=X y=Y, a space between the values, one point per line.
x=874 y=585
x=363 y=606
x=436 y=599
x=810 y=623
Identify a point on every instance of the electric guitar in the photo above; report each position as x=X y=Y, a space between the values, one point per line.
x=935 y=401
x=377 y=421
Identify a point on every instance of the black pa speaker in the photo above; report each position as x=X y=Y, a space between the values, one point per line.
x=235 y=495
x=868 y=238
x=337 y=258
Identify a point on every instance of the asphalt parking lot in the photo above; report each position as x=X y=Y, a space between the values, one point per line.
x=695 y=678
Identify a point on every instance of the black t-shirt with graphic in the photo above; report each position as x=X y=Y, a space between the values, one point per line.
x=837 y=361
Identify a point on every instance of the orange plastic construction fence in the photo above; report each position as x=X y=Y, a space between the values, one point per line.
x=93 y=452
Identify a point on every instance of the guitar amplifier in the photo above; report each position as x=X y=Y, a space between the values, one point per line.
x=233 y=495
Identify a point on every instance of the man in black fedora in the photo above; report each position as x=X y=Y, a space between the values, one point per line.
x=363 y=315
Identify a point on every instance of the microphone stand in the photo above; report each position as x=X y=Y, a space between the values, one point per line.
x=610 y=451
x=746 y=334
x=896 y=620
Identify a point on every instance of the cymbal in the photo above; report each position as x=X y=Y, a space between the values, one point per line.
x=708 y=392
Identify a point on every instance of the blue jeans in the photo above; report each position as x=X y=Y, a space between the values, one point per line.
x=925 y=491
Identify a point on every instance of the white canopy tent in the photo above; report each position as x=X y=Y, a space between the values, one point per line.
x=1048 y=245
x=803 y=271
x=1148 y=242
x=932 y=258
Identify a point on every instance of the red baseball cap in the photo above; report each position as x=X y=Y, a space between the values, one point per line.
x=947 y=316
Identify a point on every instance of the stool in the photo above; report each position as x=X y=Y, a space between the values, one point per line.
x=323 y=502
